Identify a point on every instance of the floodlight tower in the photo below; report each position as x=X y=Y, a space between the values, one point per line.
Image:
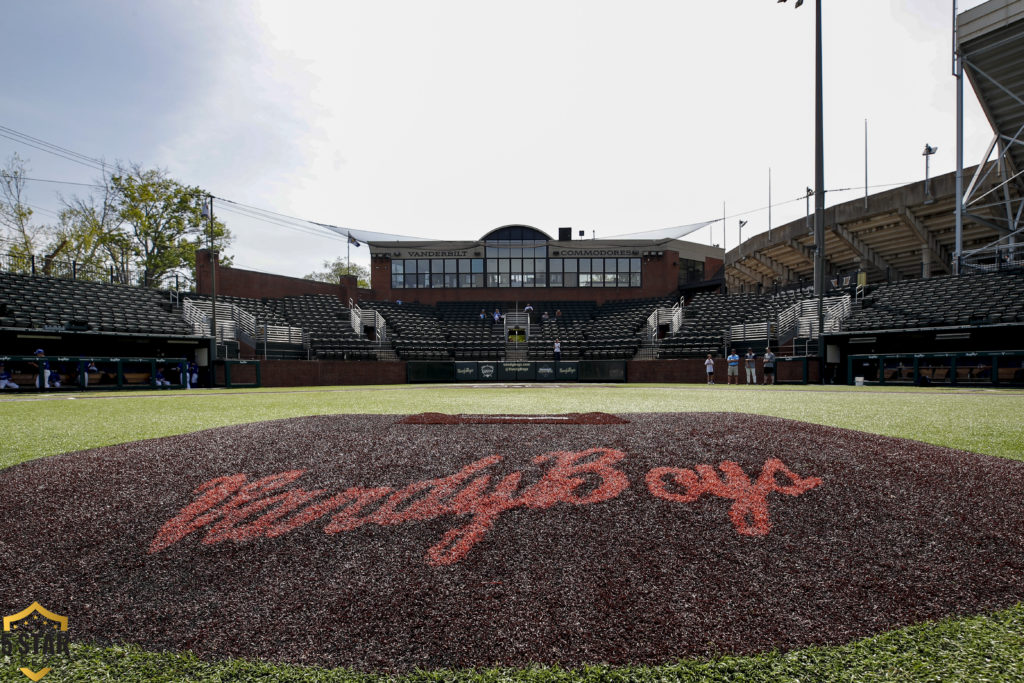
x=819 y=177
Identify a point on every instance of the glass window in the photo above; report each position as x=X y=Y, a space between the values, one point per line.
x=397 y=281
x=492 y=279
x=634 y=265
x=503 y=280
x=478 y=279
x=465 y=280
x=555 y=265
x=623 y=265
x=492 y=252
x=464 y=265
x=410 y=280
x=596 y=265
x=555 y=279
x=492 y=265
x=397 y=267
x=517 y=265
x=569 y=265
x=422 y=280
x=610 y=265
x=584 y=265
x=621 y=279
x=527 y=265
x=503 y=264
x=539 y=265
x=516 y=252
x=423 y=265
x=410 y=266
x=449 y=266
x=634 y=279
x=584 y=279
x=517 y=279
x=529 y=280
x=569 y=280
x=478 y=265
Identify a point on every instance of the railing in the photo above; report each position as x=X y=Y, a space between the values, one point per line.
x=361 y=319
x=517 y=320
x=801 y=319
x=749 y=332
x=39 y=265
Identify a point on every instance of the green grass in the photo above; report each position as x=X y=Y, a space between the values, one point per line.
x=980 y=648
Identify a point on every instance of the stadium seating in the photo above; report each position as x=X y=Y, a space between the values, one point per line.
x=980 y=299
x=39 y=302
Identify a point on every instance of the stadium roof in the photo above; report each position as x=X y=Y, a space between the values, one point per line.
x=991 y=41
x=889 y=238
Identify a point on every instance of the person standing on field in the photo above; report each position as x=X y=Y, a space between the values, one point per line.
x=751 y=361
x=769 y=367
x=709 y=367
x=733 y=371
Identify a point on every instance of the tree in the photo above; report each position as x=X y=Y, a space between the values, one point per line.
x=336 y=268
x=89 y=234
x=162 y=222
x=23 y=236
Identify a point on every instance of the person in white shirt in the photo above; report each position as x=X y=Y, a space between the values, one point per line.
x=709 y=367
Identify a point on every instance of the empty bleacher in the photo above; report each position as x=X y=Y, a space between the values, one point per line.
x=980 y=299
x=326 y=320
x=39 y=302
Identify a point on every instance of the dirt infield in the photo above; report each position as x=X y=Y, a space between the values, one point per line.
x=391 y=542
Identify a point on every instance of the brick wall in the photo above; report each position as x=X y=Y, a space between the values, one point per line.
x=306 y=373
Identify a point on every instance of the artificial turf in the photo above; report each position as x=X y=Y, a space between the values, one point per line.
x=977 y=648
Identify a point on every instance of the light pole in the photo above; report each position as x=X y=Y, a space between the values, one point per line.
x=819 y=183
x=208 y=213
x=927 y=154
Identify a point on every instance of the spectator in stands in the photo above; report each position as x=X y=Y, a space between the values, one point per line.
x=769 y=366
x=558 y=350
x=733 y=368
x=42 y=367
x=709 y=367
x=558 y=314
x=398 y=302
x=528 y=308
x=497 y=315
x=483 y=314
x=5 y=378
x=159 y=378
x=751 y=362
x=545 y=317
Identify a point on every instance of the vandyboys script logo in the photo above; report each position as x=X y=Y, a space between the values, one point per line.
x=35 y=635
x=232 y=508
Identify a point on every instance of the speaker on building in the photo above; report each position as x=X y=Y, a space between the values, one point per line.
x=564 y=234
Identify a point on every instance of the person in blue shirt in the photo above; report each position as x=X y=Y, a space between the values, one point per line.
x=5 y=378
x=192 y=375
x=159 y=378
x=734 y=367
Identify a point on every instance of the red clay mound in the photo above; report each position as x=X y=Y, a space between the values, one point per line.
x=370 y=542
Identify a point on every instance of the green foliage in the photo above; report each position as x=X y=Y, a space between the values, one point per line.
x=333 y=270
x=162 y=221
x=23 y=237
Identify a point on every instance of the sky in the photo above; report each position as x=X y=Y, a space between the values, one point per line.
x=445 y=119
